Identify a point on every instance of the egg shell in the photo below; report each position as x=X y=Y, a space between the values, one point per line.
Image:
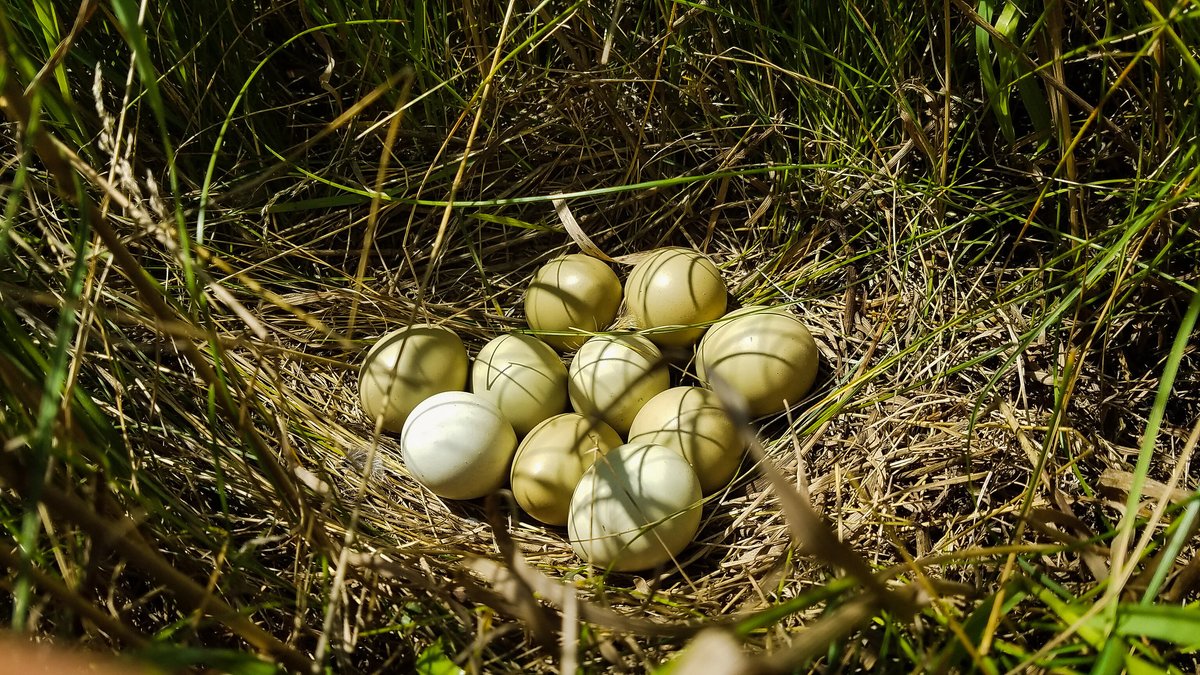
x=691 y=421
x=612 y=377
x=524 y=377
x=675 y=287
x=572 y=292
x=765 y=354
x=407 y=366
x=637 y=507
x=552 y=458
x=458 y=445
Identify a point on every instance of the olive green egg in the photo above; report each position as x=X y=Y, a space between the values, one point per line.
x=765 y=354
x=574 y=292
x=691 y=421
x=675 y=287
x=523 y=376
x=551 y=459
x=612 y=376
x=407 y=366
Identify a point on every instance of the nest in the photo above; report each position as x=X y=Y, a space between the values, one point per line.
x=914 y=466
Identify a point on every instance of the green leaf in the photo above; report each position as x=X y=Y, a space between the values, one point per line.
x=174 y=658
x=49 y=22
x=1178 y=625
x=434 y=661
x=953 y=653
x=996 y=93
x=776 y=613
x=514 y=222
x=1138 y=667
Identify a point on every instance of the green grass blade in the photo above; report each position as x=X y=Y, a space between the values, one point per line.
x=40 y=444
x=1179 y=626
x=1154 y=422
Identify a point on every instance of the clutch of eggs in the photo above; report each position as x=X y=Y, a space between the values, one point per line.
x=626 y=507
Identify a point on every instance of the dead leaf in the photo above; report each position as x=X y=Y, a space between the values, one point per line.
x=713 y=651
x=576 y=232
x=1120 y=482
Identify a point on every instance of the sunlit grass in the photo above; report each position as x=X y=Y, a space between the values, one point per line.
x=985 y=211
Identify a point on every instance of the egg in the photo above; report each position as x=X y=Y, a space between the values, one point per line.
x=408 y=366
x=637 y=507
x=612 y=376
x=572 y=292
x=524 y=377
x=764 y=354
x=552 y=458
x=675 y=287
x=691 y=421
x=458 y=445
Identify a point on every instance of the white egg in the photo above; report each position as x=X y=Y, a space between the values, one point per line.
x=612 y=376
x=524 y=377
x=458 y=445
x=637 y=507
